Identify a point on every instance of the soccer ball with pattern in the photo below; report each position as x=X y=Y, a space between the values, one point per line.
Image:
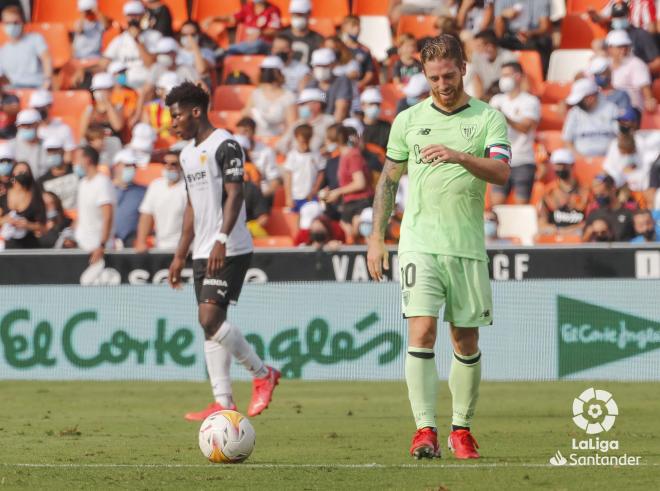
x=226 y=437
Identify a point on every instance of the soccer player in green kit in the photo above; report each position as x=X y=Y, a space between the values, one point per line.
x=452 y=145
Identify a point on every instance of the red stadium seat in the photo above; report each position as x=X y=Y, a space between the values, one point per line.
x=66 y=103
x=325 y=26
x=531 y=64
x=282 y=223
x=56 y=37
x=273 y=241
x=248 y=64
x=202 y=9
x=578 y=32
x=63 y=12
x=558 y=239
x=586 y=169
x=555 y=92
x=231 y=97
x=370 y=7
x=552 y=117
x=225 y=119
x=651 y=121
x=550 y=139
x=418 y=25
x=573 y=6
x=178 y=8
x=391 y=94
x=144 y=175
x=656 y=89
x=335 y=9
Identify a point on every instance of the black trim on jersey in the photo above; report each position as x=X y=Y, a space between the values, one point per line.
x=230 y=160
x=455 y=111
x=395 y=160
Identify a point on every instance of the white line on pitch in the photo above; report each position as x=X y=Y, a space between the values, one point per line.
x=290 y=466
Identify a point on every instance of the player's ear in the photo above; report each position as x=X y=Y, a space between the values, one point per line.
x=463 y=68
x=196 y=112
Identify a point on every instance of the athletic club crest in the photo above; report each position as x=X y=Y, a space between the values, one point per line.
x=468 y=130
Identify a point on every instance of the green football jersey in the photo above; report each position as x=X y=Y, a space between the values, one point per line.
x=445 y=204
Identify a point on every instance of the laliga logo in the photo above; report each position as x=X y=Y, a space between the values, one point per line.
x=594 y=411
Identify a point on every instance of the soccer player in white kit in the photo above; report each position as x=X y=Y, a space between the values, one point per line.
x=212 y=164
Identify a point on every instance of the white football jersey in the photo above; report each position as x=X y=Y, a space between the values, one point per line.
x=206 y=167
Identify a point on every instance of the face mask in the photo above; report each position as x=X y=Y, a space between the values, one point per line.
x=187 y=41
x=127 y=175
x=122 y=79
x=13 y=30
x=54 y=160
x=79 y=170
x=24 y=179
x=346 y=37
x=624 y=130
x=603 y=200
x=411 y=101
x=563 y=174
x=620 y=23
x=51 y=214
x=507 y=84
x=602 y=80
x=318 y=236
x=5 y=168
x=171 y=175
x=331 y=147
x=299 y=23
x=134 y=23
x=649 y=234
x=164 y=60
x=372 y=112
x=490 y=228
x=365 y=229
x=601 y=238
x=304 y=112
x=26 y=134
x=268 y=76
x=322 y=73
x=283 y=56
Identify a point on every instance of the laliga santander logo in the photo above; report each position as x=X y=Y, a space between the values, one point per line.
x=594 y=411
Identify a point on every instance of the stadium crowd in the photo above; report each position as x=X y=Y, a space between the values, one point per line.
x=310 y=88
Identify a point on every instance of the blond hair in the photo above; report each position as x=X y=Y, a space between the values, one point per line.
x=443 y=47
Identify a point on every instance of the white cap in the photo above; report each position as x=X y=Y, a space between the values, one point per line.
x=102 y=81
x=28 y=116
x=311 y=94
x=300 y=7
x=562 y=156
x=308 y=213
x=144 y=131
x=598 y=65
x=53 y=143
x=618 y=38
x=367 y=215
x=125 y=156
x=117 y=66
x=371 y=95
x=6 y=151
x=272 y=62
x=354 y=123
x=41 y=98
x=416 y=86
x=133 y=8
x=323 y=57
x=84 y=5
x=166 y=45
x=581 y=88
x=168 y=81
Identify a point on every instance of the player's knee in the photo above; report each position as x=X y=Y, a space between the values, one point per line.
x=210 y=317
x=467 y=344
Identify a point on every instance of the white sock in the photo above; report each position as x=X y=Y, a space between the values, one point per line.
x=231 y=337
x=218 y=362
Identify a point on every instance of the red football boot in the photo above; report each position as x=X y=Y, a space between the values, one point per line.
x=214 y=407
x=463 y=444
x=262 y=391
x=425 y=444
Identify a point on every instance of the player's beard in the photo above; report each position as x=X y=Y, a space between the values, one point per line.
x=451 y=98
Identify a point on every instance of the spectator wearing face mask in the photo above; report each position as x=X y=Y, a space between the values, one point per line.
x=102 y=111
x=159 y=17
x=317 y=230
x=88 y=31
x=644 y=45
x=162 y=208
x=303 y=170
x=491 y=234
x=310 y=111
x=261 y=20
x=350 y=33
x=563 y=207
x=338 y=90
x=24 y=57
x=6 y=166
x=522 y=111
x=22 y=213
x=644 y=227
x=295 y=72
x=606 y=205
x=640 y=13
x=56 y=232
x=59 y=179
x=50 y=126
x=271 y=105
x=376 y=130
x=197 y=50
x=129 y=197
x=262 y=156
x=134 y=47
x=304 y=41
x=590 y=124
x=122 y=95
x=598 y=230
x=29 y=146
x=167 y=52
x=599 y=69
x=416 y=90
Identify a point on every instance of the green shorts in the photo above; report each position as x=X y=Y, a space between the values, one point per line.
x=462 y=285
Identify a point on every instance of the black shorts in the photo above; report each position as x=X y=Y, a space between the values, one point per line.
x=225 y=287
x=521 y=180
x=353 y=208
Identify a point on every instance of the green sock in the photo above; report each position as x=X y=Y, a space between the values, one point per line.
x=422 y=380
x=464 y=379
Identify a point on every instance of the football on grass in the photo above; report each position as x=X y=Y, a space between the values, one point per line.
x=226 y=437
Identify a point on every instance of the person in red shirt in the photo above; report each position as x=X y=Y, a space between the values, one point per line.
x=260 y=20
x=355 y=184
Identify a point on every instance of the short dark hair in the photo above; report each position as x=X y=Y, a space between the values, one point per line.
x=247 y=122
x=607 y=180
x=643 y=211
x=487 y=36
x=304 y=130
x=283 y=37
x=514 y=65
x=188 y=94
x=91 y=154
x=345 y=134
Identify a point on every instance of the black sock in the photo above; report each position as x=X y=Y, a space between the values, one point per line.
x=454 y=428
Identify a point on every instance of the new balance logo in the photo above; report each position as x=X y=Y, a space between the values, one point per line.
x=424 y=131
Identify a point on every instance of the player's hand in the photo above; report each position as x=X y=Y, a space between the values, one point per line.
x=438 y=154
x=216 y=259
x=96 y=255
x=377 y=258
x=174 y=274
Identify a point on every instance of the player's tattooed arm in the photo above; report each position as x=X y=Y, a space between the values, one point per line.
x=386 y=195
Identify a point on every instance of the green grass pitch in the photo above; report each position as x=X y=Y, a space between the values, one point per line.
x=315 y=435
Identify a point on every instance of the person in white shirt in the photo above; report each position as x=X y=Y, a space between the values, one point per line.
x=28 y=146
x=51 y=127
x=294 y=71
x=134 y=47
x=522 y=112
x=94 y=227
x=311 y=103
x=303 y=168
x=630 y=73
x=262 y=156
x=162 y=207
